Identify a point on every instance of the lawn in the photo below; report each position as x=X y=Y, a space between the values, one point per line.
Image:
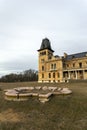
x=62 y=112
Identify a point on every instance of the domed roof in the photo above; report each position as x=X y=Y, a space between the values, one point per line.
x=45 y=44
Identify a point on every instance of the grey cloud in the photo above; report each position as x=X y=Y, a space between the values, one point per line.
x=23 y=24
x=19 y=65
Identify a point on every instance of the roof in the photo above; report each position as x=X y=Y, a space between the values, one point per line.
x=45 y=45
x=77 y=55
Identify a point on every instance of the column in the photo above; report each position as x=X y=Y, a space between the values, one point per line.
x=83 y=74
x=69 y=74
x=76 y=75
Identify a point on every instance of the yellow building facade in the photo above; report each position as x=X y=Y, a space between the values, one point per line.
x=53 y=68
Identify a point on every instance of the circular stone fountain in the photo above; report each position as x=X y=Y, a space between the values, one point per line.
x=43 y=93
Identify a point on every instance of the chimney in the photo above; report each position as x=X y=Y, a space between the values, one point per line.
x=65 y=55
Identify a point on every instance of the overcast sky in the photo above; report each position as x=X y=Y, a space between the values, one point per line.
x=24 y=23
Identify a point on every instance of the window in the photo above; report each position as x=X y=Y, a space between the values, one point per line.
x=67 y=65
x=58 y=74
x=53 y=75
x=42 y=60
x=42 y=68
x=43 y=53
x=49 y=56
x=64 y=65
x=49 y=75
x=51 y=66
x=73 y=56
x=42 y=75
x=80 y=65
x=73 y=64
x=54 y=66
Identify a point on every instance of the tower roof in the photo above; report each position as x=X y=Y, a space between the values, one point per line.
x=45 y=45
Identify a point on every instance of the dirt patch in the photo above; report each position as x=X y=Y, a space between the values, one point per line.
x=10 y=116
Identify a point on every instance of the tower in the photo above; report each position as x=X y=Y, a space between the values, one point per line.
x=45 y=53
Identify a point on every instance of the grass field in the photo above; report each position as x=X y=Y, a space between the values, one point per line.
x=60 y=113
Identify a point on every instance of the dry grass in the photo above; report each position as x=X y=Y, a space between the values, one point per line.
x=60 y=113
x=10 y=116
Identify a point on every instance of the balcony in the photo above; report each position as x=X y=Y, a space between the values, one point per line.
x=53 y=69
x=75 y=68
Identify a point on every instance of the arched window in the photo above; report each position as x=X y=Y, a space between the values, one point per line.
x=51 y=66
x=58 y=74
x=49 y=75
x=53 y=75
x=54 y=66
x=42 y=75
x=73 y=64
x=80 y=65
x=42 y=68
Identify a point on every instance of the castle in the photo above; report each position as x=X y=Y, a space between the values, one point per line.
x=54 y=68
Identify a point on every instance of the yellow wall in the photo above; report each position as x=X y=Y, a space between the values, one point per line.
x=74 y=68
